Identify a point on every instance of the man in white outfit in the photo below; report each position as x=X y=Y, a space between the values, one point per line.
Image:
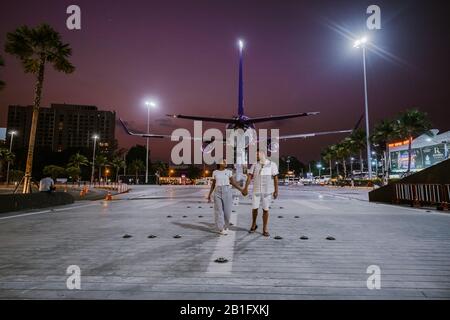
x=265 y=185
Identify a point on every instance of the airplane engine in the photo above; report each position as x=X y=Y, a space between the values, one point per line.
x=250 y=137
x=207 y=147
x=273 y=147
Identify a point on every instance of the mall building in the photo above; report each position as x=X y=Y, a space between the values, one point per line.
x=427 y=150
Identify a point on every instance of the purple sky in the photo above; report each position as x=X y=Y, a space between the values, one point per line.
x=184 y=54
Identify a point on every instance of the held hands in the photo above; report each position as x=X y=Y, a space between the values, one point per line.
x=209 y=198
x=275 y=194
x=244 y=192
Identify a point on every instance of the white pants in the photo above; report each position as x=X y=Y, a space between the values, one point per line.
x=222 y=206
x=265 y=198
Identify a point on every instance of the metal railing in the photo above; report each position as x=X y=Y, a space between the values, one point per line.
x=119 y=187
x=423 y=194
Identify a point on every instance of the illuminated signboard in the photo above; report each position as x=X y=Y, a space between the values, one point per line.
x=420 y=158
x=398 y=144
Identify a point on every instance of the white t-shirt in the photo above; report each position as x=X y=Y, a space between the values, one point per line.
x=263 y=176
x=222 y=177
x=45 y=184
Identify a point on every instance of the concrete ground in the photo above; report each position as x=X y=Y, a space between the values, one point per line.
x=410 y=246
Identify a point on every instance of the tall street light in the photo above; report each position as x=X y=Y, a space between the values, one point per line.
x=95 y=137
x=149 y=104
x=351 y=165
x=375 y=161
x=319 y=166
x=12 y=133
x=361 y=43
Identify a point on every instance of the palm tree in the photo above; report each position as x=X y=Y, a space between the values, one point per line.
x=328 y=155
x=342 y=151
x=101 y=161
x=78 y=160
x=409 y=124
x=358 y=143
x=2 y=83
x=73 y=172
x=54 y=171
x=35 y=47
x=117 y=164
x=136 y=166
x=161 y=168
x=384 y=132
x=5 y=157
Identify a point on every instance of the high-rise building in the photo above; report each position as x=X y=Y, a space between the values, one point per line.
x=63 y=126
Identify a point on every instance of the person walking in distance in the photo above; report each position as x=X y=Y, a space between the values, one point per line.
x=264 y=174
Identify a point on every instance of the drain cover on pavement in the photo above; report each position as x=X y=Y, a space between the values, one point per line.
x=152 y=236
x=296 y=217
x=177 y=236
x=278 y=238
x=304 y=238
x=169 y=216
x=188 y=207
x=280 y=217
x=127 y=236
x=281 y=207
x=184 y=216
x=221 y=260
x=330 y=238
x=200 y=216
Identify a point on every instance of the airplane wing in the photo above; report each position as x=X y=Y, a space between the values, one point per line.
x=281 y=117
x=141 y=134
x=202 y=118
x=313 y=134
x=151 y=135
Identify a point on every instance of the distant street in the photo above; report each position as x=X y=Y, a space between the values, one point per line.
x=410 y=246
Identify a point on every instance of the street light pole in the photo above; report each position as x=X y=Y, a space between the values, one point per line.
x=351 y=165
x=374 y=154
x=93 y=159
x=148 y=104
x=12 y=133
x=369 y=157
x=362 y=43
x=146 y=154
x=319 y=166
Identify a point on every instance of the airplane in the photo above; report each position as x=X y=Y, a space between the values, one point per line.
x=241 y=121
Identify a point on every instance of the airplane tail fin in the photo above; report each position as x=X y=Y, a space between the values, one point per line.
x=241 y=81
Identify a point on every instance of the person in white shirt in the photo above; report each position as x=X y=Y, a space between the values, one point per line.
x=46 y=184
x=265 y=185
x=221 y=187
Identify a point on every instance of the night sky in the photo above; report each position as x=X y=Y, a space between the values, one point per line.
x=184 y=55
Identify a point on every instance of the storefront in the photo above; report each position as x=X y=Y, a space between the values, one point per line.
x=426 y=151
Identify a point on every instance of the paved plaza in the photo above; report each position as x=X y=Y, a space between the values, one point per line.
x=410 y=246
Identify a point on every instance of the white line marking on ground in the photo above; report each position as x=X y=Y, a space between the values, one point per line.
x=46 y=211
x=224 y=248
x=161 y=203
x=312 y=205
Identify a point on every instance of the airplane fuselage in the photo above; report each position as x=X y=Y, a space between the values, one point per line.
x=242 y=122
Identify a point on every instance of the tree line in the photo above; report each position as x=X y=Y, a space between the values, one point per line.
x=405 y=127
